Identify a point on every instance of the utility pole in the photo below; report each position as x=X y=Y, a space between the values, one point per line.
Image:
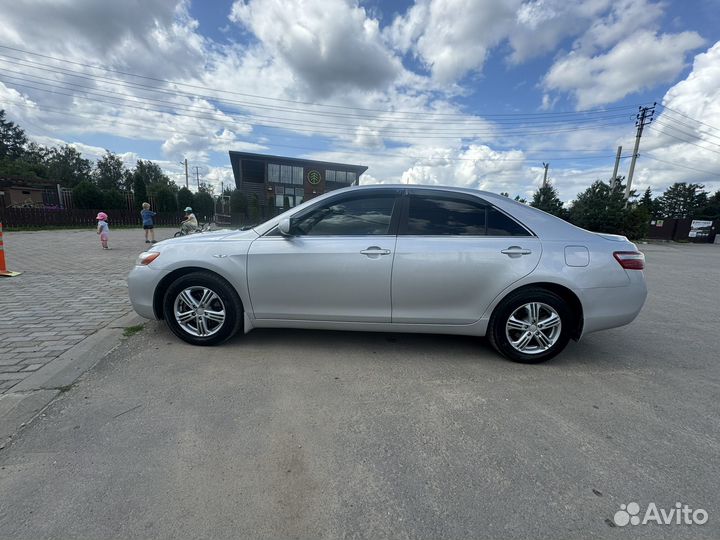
x=197 y=176
x=613 y=179
x=187 y=178
x=546 y=165
x=643 y=118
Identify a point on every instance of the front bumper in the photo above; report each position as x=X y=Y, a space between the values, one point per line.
x=142 y=281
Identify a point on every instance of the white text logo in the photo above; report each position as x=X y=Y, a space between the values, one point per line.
x=680 y=514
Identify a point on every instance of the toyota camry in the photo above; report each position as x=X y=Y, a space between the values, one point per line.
x=398 y=259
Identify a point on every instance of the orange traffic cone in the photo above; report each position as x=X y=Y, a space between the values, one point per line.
x=3 y=269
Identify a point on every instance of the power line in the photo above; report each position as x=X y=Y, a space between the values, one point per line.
x=465 y=121
x=246 y=118
x=684 y=140
x=682 y=166
x=111 y=121
x=340 y=130
x=690 y=117
x=674 y=121
x=255 y=96
x=693 y=135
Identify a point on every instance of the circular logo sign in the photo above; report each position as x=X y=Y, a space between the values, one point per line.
x=314 y=177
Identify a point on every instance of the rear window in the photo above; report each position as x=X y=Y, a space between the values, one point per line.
x=498 y=224
x=430 y=215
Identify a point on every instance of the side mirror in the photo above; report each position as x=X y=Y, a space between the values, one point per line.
x=284 y=227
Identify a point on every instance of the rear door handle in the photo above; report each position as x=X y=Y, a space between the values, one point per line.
x=515 y=251
x=375 y=250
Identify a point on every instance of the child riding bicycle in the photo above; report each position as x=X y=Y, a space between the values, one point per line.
x=190 y=223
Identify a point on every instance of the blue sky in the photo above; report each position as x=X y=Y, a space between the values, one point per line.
x=475 y=93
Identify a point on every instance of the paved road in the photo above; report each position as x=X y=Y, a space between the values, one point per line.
x=289 y=434
x=69 y=289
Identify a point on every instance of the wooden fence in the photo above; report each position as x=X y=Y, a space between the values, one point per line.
x=55 y=217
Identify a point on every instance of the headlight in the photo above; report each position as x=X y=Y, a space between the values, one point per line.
x=147 y=257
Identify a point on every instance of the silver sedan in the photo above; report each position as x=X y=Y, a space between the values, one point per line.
x=398 y=259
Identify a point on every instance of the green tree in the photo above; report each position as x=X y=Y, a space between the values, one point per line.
x=636 y=223
x=87 y=196
x=18 y=157
x=67 y=167
x=12 y=139
x=546 y=199
x=23 y=167
x=602 y=208
x=35 y=159
x=139 y=191
x=712 y=209
x=165 y=200
x=204 y=206
x=185 y=198
x=238 y=206
x=152 y=174
x=206 y=188
x=128 y=179
x=110 y=172
x=682 y=200
x=113 y=199
x=646 y=201
x=517 y=198
x=253 y=208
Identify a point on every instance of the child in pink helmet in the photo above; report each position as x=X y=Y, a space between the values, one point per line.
x=102 y=229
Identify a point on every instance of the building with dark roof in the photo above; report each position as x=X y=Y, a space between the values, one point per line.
x=276 y=183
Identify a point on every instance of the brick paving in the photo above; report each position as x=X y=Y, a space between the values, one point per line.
x=69 y=289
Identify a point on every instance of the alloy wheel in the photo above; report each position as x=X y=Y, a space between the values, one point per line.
x=533 y=328
x=199 y=311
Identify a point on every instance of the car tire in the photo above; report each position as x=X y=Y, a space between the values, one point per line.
x=202 y=308
x=530 y=326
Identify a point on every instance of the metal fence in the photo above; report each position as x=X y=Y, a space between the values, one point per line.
x=684 y=230
x=57 y=217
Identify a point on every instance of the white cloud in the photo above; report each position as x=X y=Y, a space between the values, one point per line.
x=333 y=51
x=678 y=139
x=452 y=37
x=541 y=24
x=624 y=19
x=150 y=37
x=328 y=45
x=639 y=62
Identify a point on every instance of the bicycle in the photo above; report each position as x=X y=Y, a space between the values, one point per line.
x=201 y=228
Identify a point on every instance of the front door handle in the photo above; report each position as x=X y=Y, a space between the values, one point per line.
x=515 y=251
x=375 y=250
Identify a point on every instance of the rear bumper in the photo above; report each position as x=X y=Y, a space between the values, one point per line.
x=610 y=307
x=142 y=281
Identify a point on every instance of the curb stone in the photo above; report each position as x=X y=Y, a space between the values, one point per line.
x=32 y=395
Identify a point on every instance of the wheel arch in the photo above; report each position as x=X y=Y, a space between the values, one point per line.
x=567 y=294
x=165 y=282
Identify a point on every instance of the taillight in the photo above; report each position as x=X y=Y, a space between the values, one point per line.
x=630 y=260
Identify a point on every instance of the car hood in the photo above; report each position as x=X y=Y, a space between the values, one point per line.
x=212 y=236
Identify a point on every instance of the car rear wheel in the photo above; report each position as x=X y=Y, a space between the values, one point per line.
x=530 y=326
x=202 y=308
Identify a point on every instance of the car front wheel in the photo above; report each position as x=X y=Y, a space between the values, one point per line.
x=202 y=309
x=530 y=326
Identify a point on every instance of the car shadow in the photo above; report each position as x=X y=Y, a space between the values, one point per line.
x=606 y=351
